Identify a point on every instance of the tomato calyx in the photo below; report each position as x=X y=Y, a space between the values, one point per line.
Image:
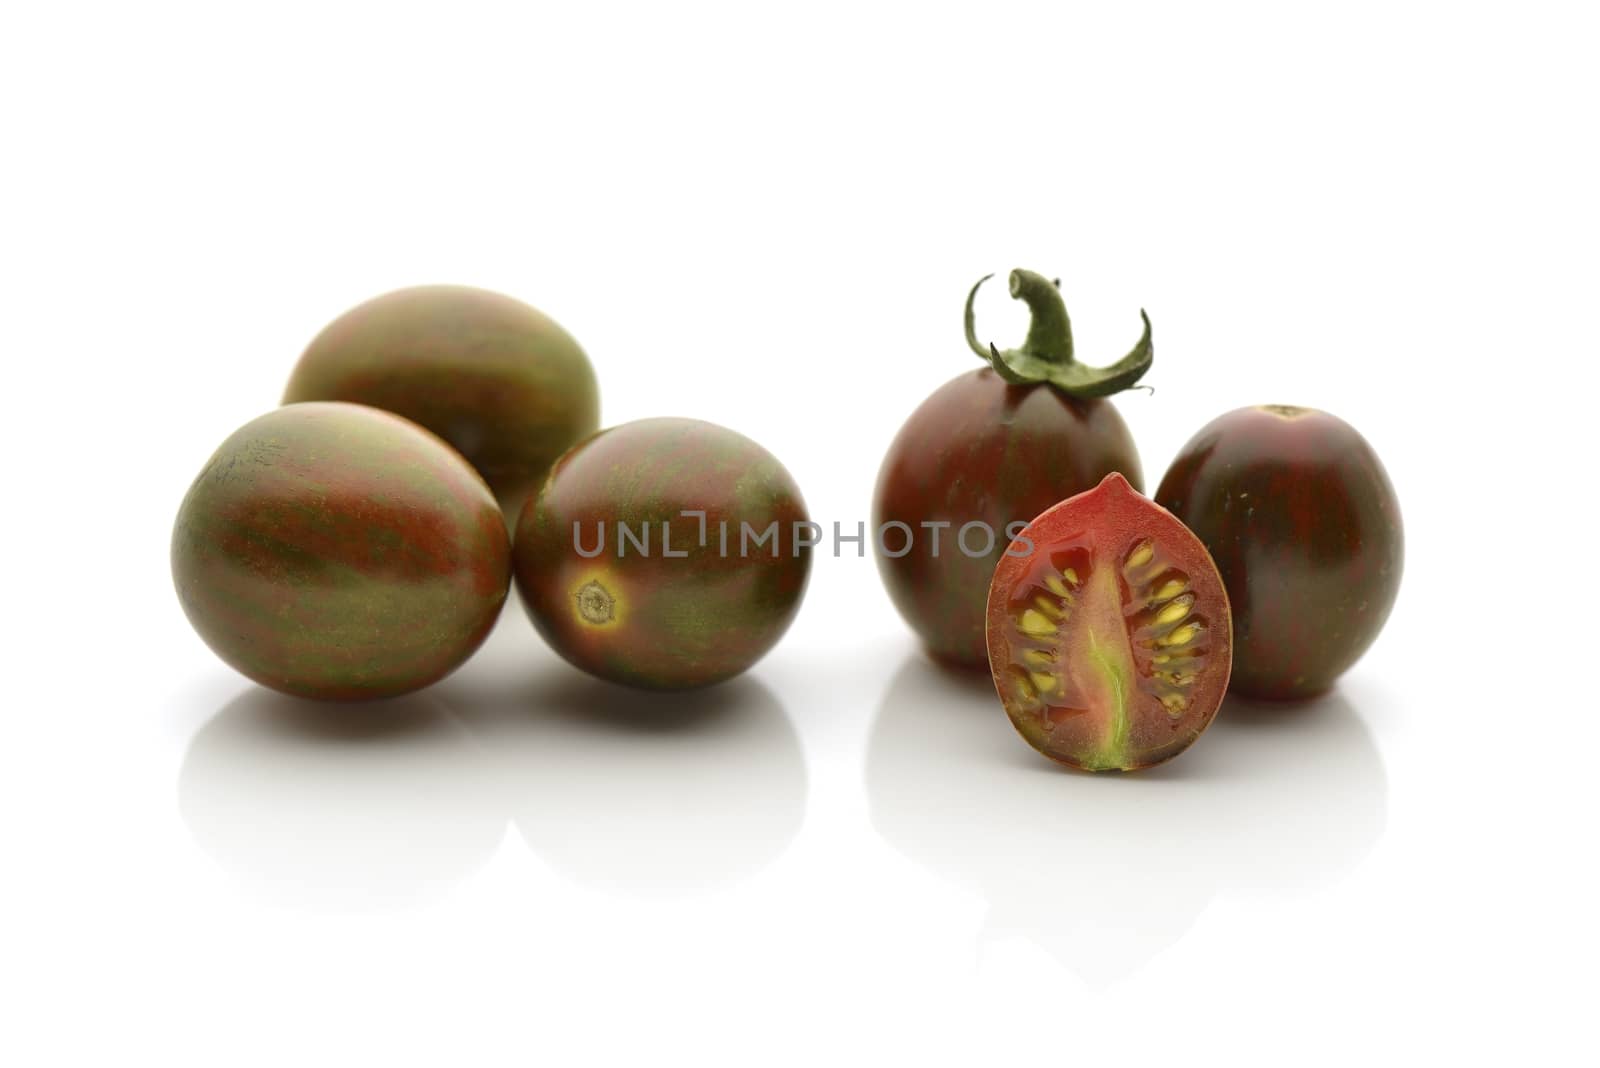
x=1046 y=356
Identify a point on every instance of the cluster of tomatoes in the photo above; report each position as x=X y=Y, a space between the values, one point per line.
x=1113 y=624
x=437 y=443
x=434 y=443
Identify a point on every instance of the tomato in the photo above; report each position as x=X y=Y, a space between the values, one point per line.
x=985 y=453
x=500 y=381
x=1303 y=523
x=664 y=554
x=336 y=551
x=1110 y=638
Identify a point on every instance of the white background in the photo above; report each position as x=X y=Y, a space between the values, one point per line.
x=768 y=217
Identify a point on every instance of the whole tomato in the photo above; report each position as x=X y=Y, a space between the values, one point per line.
x=501 y=382
x=986 y=453
x=339 y=552
x=1304 y=525
x=664 y=554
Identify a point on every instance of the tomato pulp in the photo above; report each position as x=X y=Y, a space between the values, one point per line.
x=1304 y=525
x=1109 y=632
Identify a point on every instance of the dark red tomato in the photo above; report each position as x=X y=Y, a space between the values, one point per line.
x=988 y=451
x=1109 y=633
x=1304 y=525
x=664 y=554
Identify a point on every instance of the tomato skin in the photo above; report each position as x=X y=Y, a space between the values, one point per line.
x=339 y=552
x=979 y=449
x=1109 y=632
x=500 y=381
x=1304 y=525
x=652 y=620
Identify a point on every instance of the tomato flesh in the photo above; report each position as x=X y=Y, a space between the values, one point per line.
x=1109 y=633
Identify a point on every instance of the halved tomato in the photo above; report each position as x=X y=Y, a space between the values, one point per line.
x=1110 y=637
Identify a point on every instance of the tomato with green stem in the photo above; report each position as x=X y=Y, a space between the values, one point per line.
x=985 y=453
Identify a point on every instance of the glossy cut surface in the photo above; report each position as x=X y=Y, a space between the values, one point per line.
x=340 y=552
x=1109 y=634
x=1304 y=525
x=982 y=451
x=626 y=586
x=497 y=379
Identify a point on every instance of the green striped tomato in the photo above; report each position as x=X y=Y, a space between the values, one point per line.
x=336 y=551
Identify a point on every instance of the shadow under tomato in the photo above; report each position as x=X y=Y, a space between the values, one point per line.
x=650 y=794
x=1106 y=871
x=340 y=807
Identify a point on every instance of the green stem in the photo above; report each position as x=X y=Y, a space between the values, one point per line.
x=970 y=321
x=1050 y=333
x=1046 y=354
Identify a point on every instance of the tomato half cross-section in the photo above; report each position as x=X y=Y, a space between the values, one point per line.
x=1109 y=631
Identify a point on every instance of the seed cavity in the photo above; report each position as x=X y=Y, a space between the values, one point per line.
x=1038 y=657
x=1168 y=640
x=1051 y=609
x=1056 y=586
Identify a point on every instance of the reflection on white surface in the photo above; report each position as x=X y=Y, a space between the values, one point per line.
x=340 y=807
x=649 y=794
x=1106 y=871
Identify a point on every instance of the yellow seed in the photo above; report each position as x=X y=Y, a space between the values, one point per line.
x=1057 y=587
x=1035 y=625
x=1050 y=608
x=1175 y=611
x=1025 y=688
x=1044 y=683
x=1141 y=555
x=1169 y=588
x=1071 y=575
x=1183 y=635
x=1174 y=702
x=1160 y=659
x=1038 y=657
